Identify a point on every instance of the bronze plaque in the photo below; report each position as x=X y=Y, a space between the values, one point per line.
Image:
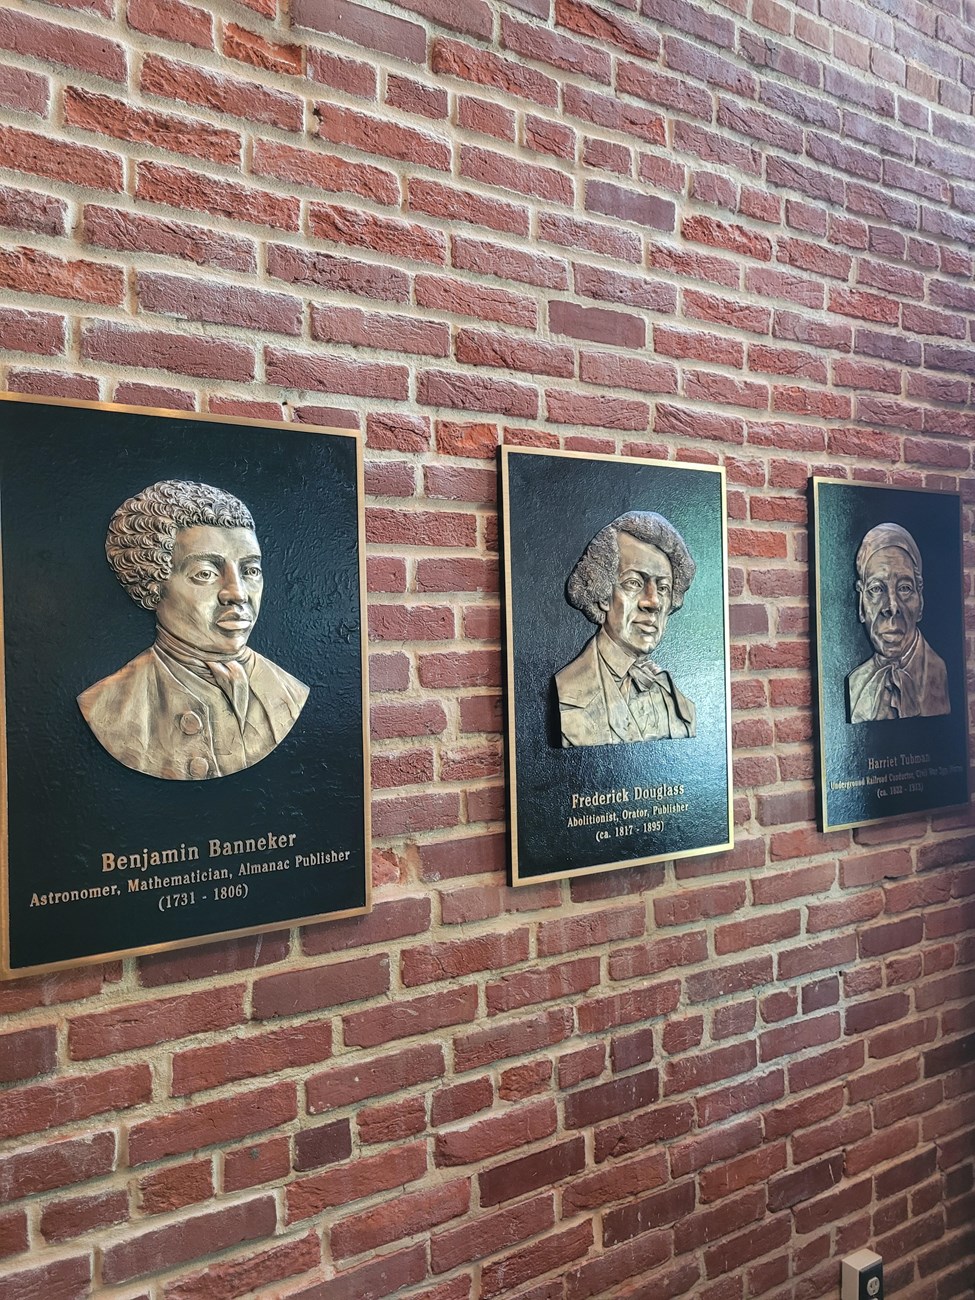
x=185 y=752
x=617 y=661
x=889 y=602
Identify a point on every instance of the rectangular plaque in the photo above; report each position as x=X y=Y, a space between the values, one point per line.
x=891 y=651
x=185 y=754
x=617 y=662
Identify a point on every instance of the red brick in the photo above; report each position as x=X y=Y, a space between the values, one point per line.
x=250 y=1057
x=837 y=1063
x=75 y=1097
x=196 y=1127
x=172 y=20
x=454 y=59
x=410 y=1016
x=589 y=1106
x=248 y=47
x=64 y=1220
x=550 y=1252
x=26 y=92
x=295 y=992
x=22 y=209
x=68 y=1279
x=334 y=374
x=467 y=392
x=412 y=813
x=256 y=1164
x=176 y=187
x=709 y=1067
x=364 y=1177
x=552 y=1164
x=392 y=1121
x=13 y=1233
x=180 y=135
x=737 y=977
x=695 y=904
x=515 y=1038
x=56 y=1164
x=733 y=1175
x=104 y=1033
x=210 y=959
x=687 y=949
x=448 y=202
x=26 y=1053
x=342 y=1085
x=792 y=1039
x=598 y=1014
x=510 y=352
x=192 y=85
x=817 y=956
x=190 y=1239
x=496 y=1134
x=391 y=920
x=491 y=1233
x=30 y=331
x=402 y=1217
x=342 y=275
x=834 y=1206
x=452 y=960
x=630 y=205
x=251 y=1272
x=202 y=300
x=362 y=26
x=356 y=229
x=26 y=270
x=547 y=984
x=176 y=1186
x=371 y=135
x=353 y=326
x=210 y=357
x=130 y=232
x=659 y=1209
x=322 y=1144
x=70 y=47
x=714 y=1107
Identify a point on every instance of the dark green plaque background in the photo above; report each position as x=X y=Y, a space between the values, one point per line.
x=843 y=512
x=64 y=469
x=553 y=504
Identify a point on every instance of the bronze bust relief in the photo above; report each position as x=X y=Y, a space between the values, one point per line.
x=904 y=678
x=631 y=577
x=199 y=703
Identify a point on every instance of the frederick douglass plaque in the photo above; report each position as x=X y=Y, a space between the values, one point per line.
x=890 y=639
x=617 y=660
x=184 y=679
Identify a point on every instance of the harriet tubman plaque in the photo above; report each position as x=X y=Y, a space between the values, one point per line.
x=184 y=753
x=617 y=657
x=890 y=637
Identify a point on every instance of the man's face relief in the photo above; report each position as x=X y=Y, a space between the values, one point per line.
x=642 y=598
x=213 y=596
x=890 y=601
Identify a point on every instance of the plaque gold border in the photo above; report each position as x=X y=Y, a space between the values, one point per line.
x=20 y=972
x=516 y=878
x=822 y=721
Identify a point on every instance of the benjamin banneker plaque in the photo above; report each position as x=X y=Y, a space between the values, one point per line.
x=617 y=642
x=184 y=746
x=890 y=639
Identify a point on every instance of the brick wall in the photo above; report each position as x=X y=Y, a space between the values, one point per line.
x=737 y=232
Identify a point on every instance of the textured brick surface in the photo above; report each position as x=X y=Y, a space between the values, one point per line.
x=735 y=233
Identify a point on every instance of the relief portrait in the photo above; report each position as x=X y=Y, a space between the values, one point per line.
x=631 y=577
x=904 y=678
x=199 y=703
